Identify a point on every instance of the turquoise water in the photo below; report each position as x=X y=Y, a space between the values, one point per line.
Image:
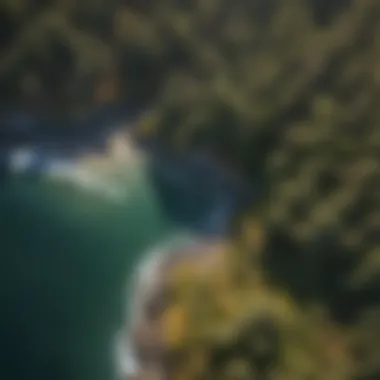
x=66 y=256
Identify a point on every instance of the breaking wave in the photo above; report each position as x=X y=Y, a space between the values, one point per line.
x=145 y=272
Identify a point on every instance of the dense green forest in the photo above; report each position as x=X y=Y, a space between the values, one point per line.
x=285 y=91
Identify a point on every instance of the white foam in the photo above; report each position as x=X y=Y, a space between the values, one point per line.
x=146 y=273
x=90 y=181
x=21 y=160
x=126 y=362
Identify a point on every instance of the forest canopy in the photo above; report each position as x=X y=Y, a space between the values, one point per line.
x=285 y=91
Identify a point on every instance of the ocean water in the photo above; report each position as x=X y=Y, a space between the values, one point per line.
x=75 y=234
x=72 y=238
x=67 y=251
